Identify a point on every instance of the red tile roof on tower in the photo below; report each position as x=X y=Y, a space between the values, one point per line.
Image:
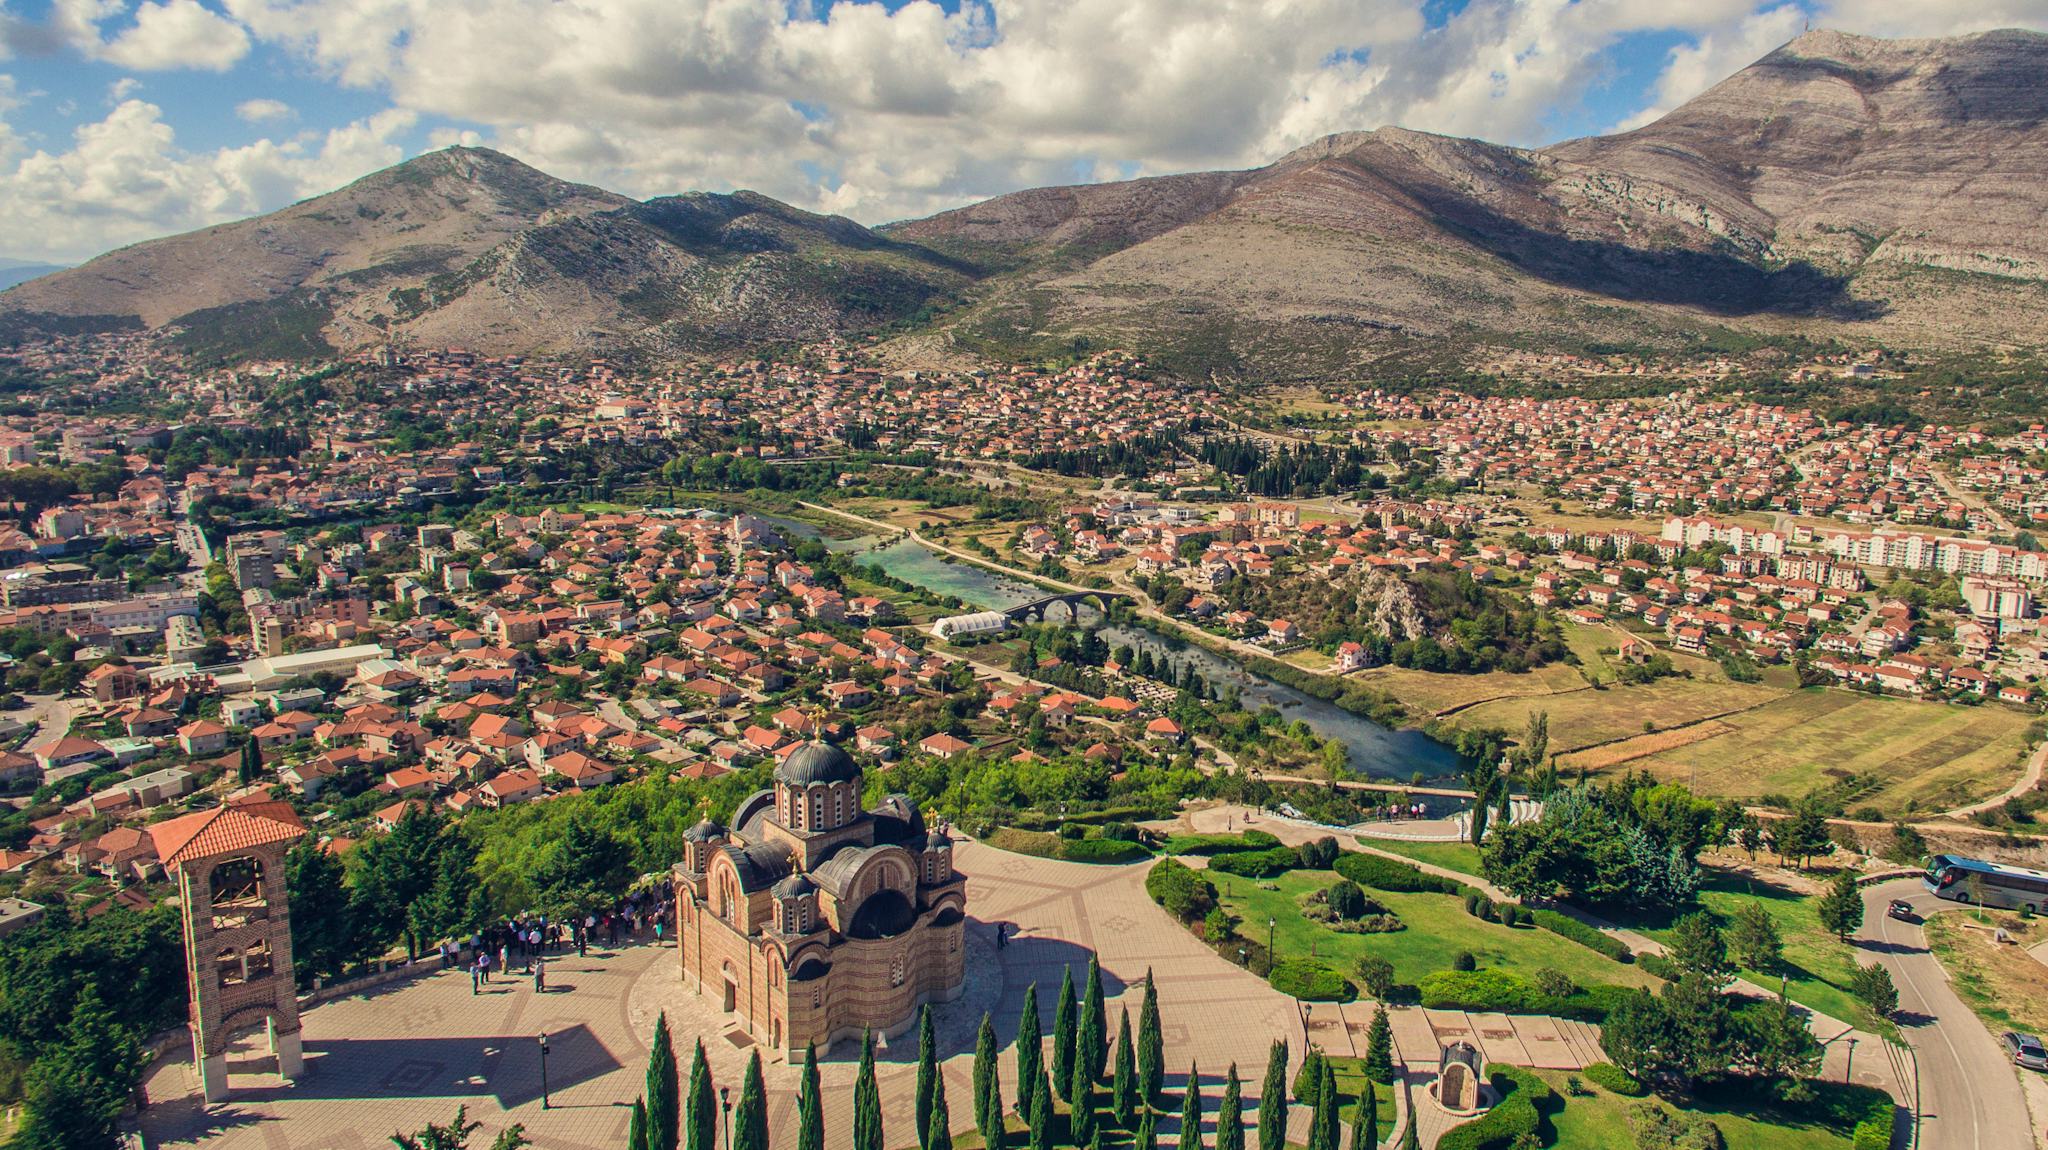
x=223 y=829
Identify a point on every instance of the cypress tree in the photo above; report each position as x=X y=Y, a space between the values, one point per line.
x=984 y=1066
x=1081 y=1096
x=928 y=1083
x=636 y=1127
x=1030 y=1046
x=1230 y=1118
x=1148 y=1135
x=867 y=1098
x=1323 y=1129
x=750 y=1117
x=1409 y=1139
x=703 y=1106
x=1124 y=1085
x=1309 y=1083
x=1191 y=1112
x=940 y=1131
x=990 y=1106
x=662 y=1102
x=1379 y=1049
x=252 y=763
x=1041 y=1113
x=1273 y=1100
x=1365 y=1121
x=1095 y=1023
x=1063 y=1023
x=810 y=1106
x=1151 y=1046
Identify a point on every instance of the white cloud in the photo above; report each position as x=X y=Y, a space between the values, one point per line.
x=124 y=179
x=122 y=88
x=1695 y=67
x=178 y=34
x=259 y=110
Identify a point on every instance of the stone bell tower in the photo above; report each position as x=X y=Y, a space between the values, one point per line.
x=229 y=866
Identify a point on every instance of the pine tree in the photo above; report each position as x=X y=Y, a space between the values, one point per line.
x=703 y=1105
x=1030 y=1045
x=1124 y=1085
x=1273 y=1100
x=1063 y=1036
x=810 y=1105
x=939 y=1132
x=1148 y=1135
x=662 y=1102
x=1379 y=1048
x=867 y=1098
x=928 y=1082
x=750 y=1117
x=1365 y=1120
x=636 y=1127
x=1191 y=1112
x=1841 y=908
x=984 y=1067
x=1151 y=1046
x=1230 y=1117
x=1041 y=1113
x=1094 y=1032
x=1081 y=1097
x=1322 y=1130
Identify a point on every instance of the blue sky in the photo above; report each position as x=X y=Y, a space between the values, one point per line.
x=125 y=119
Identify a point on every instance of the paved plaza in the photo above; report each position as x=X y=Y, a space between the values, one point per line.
x=399 y=1056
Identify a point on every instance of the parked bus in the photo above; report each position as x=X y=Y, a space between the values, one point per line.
x=1994 y=884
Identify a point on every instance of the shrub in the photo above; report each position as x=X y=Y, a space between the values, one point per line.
x=1519 y=1113
x=1660 y=966
x=1555 y=983
x=1102 y=851
x=1472 y=902
x=1565 y=926
x=1386 y=874
x=1257 y=864
x=1219 y=925
x=1185 y=895
x=1464 y=960
x=1497 y=991
x=1346 y=898
x=1120 y=832
x=1311 y=981
x=1318 y=854
x=1875 y=1131
x=1614 y=1079
x=1658 y=1127
x=1376 y=975
x=1482 y=907
x=1220 y=844
x=1072 y=832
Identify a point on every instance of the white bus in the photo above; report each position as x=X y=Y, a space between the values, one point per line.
x=1993 y=884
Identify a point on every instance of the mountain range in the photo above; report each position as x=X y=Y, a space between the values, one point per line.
x=1841 y=188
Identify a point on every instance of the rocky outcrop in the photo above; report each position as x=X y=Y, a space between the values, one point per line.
x=1386 y=600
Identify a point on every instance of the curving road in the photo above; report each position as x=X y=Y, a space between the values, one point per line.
x=1970 y=1096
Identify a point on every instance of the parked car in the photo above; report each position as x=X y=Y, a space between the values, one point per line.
x=1902 y=910
x=2024 y=1050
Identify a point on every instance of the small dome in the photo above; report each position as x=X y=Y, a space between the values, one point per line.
x=795 y=886
x=938 y=841
x=816 y=764
x=704 y=832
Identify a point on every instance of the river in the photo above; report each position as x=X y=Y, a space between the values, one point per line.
x=1371 y=749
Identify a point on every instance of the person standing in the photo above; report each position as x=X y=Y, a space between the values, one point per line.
x=483 y=963
x=476 y=974
x=504 y=958
x=540 y=975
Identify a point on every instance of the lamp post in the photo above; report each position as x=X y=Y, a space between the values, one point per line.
x=544 y=1104
x=1849 y=1067
x=1272 y=960
x=725 y=1108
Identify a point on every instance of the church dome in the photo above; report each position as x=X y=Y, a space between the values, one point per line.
x=795 y=886
x=817 y=764
x=938 y=841
x=704 y=832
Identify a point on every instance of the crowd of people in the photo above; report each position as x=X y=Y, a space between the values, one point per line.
x=527 y=940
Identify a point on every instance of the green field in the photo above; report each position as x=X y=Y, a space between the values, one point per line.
x=1600 y=1119
x=1460 y=857
x=1931 y=756
x=1426 y=693
x=1583 y=718
x=1817 y=966
x=1437 y=929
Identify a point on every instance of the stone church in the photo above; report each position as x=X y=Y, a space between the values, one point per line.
x=812 y=918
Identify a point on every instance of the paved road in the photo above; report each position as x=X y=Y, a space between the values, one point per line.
x=1969 y=1094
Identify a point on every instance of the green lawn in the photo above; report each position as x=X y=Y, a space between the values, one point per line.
x=1351 y=1083
x=1437 y=929
x=1817 y=967
x=1600 y=1119
x=1460 y=857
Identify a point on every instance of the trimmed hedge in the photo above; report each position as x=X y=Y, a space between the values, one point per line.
x=1875 y=1131
x=1311 y=981
x=1660 y=966
x=1523 y=1100
x=1220 y=844
x=1386 y=874
x=1497 y=991
x=1102 y=851
x=1185 y=895
x=1565 y=926
x=1610 y=1077
x=1257 y=864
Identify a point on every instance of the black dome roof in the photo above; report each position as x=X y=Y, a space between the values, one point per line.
x=814 y=764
